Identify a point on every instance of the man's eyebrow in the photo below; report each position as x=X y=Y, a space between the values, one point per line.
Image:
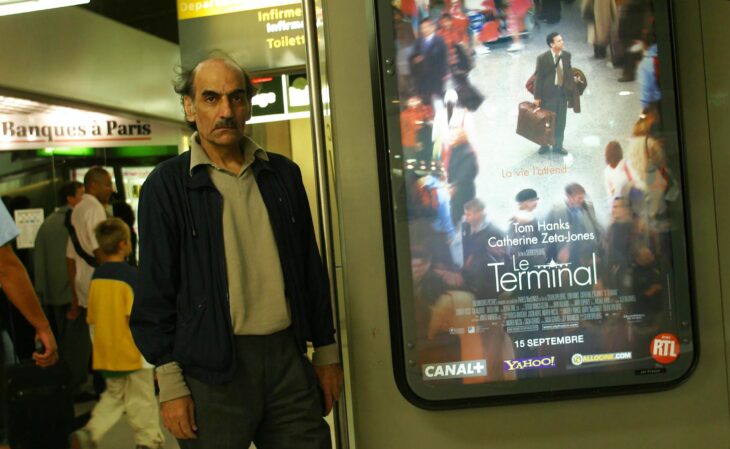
x=209 y=92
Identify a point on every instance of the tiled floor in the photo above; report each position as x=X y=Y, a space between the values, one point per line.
x=121 y=436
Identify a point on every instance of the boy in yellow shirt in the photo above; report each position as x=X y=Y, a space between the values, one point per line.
x=129 y=380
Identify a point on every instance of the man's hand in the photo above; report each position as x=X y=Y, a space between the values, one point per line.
x=178 y=416
x=537 y=102
x=330 y=380
x=50 y=354
x=73 y=312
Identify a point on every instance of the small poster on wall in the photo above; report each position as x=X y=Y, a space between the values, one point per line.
x=28 y=222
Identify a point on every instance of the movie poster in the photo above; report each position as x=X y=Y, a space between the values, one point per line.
x=541 y=201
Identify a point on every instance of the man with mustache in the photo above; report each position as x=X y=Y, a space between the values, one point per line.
x=231 y=284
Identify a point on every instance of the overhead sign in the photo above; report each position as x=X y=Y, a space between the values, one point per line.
x=77 y=128
x=195 y=9
x=261 y=35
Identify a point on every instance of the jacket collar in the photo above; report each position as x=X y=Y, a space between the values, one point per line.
x=197 y=176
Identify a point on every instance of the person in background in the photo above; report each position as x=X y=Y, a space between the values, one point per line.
x=123 y=211
x=633 y=18
x=550 y=11
x=523 y=224
x=83 y=219
x=580 y=216
x=16 y=284
x=650 y=93
x=21 y=333
x=446 y=325
x=599 y=16
x=130 y=385
x=49 y=256
x=405 y=38
x=430 y=65
x=516 y=22
x=476 y=231
x=616 y=176
x=82 y=255
x=460 y=22
x=416 y=127
x=461 y=172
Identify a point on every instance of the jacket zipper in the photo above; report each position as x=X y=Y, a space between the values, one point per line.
x=225 y=267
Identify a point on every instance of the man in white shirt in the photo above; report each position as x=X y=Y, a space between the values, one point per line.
x=82 y=252
x=85 y=216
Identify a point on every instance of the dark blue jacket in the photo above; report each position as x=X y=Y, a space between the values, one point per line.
x=181 y=307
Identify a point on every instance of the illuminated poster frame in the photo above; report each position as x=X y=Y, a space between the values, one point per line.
x=524 y=265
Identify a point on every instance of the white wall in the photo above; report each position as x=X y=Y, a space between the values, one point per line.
x=76 y=55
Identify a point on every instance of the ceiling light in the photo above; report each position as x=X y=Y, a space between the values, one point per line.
x=8 y=7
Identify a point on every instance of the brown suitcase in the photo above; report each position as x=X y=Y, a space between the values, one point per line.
x=536 y=124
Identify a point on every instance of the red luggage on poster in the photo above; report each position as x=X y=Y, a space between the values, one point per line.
x=536 y=124
x=489 y=32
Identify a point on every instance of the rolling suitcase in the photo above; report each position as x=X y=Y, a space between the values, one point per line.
x=40 y=406
x=536 y=124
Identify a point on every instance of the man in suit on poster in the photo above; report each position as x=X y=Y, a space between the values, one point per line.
x=554 y=85
x=430 y=64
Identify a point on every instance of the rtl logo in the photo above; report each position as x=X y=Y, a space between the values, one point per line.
x=665 y=348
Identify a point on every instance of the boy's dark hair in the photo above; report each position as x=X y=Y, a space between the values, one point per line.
x=184 y=84
x=109 y=234
x=68 y=189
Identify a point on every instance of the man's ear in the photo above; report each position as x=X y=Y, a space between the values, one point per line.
x=189 y=108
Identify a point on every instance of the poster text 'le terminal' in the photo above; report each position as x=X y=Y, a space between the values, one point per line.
x=522 y=276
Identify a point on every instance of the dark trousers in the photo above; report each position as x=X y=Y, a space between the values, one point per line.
x=274 y=400
x=57 y=319
x=75 y=344
x=559 y=105
x=630 y=62
x=551 y=10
